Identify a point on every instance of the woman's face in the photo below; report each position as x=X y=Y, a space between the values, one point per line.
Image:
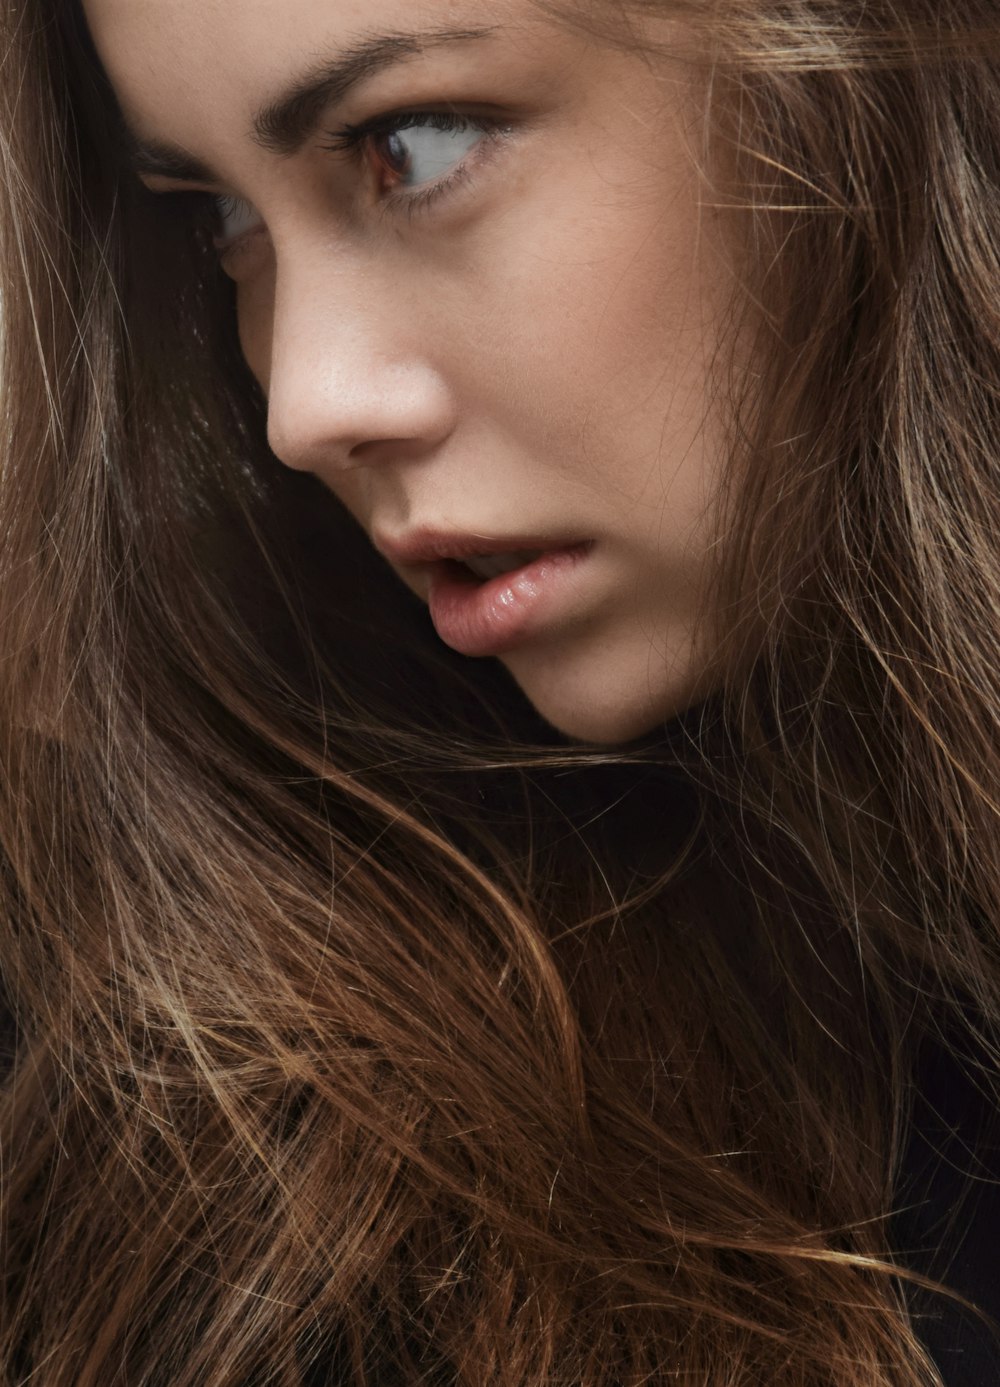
x=477 y=284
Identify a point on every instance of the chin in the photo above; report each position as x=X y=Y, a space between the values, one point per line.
x=601 y=704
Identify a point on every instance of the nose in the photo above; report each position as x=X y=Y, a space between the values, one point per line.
x=350 y=381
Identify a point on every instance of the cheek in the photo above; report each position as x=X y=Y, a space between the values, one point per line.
x=606 y=335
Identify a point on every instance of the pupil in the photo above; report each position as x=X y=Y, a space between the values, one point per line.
x=397 y=155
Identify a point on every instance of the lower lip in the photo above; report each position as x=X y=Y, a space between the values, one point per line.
x=487 y=617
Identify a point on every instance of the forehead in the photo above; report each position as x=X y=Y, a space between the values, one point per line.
x=174 y=63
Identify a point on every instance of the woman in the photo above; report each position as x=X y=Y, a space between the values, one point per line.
x=596 y=983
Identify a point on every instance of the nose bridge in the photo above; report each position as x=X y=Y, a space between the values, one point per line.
x=350 y=378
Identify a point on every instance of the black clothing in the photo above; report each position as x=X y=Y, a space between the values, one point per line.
x=948 y=1224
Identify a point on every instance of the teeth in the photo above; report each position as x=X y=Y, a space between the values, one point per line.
x=492 y=565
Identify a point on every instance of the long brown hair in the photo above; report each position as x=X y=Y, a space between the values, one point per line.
x=363 y=1031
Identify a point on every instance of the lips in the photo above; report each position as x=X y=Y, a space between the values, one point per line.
x=487 y=595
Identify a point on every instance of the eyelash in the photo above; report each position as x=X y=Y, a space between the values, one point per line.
x=352 y=139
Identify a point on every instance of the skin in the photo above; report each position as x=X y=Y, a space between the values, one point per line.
x=530 y=352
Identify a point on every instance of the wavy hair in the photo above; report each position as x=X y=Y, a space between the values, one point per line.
x=361 y=1029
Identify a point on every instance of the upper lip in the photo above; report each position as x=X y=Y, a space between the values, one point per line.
x=424 y=546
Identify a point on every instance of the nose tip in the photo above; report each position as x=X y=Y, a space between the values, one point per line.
x=350 y=365
x=342 y=411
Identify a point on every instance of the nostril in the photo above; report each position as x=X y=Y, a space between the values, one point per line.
x=375 y=450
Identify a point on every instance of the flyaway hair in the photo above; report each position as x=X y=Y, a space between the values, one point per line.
x=361 y=1030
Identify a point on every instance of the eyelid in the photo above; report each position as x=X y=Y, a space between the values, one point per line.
x=348 y=135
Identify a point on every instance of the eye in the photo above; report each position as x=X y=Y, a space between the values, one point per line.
x=421 y=153
x=234 y=218
x=416 y=149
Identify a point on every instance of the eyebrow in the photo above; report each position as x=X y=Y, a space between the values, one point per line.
x=284 y=125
